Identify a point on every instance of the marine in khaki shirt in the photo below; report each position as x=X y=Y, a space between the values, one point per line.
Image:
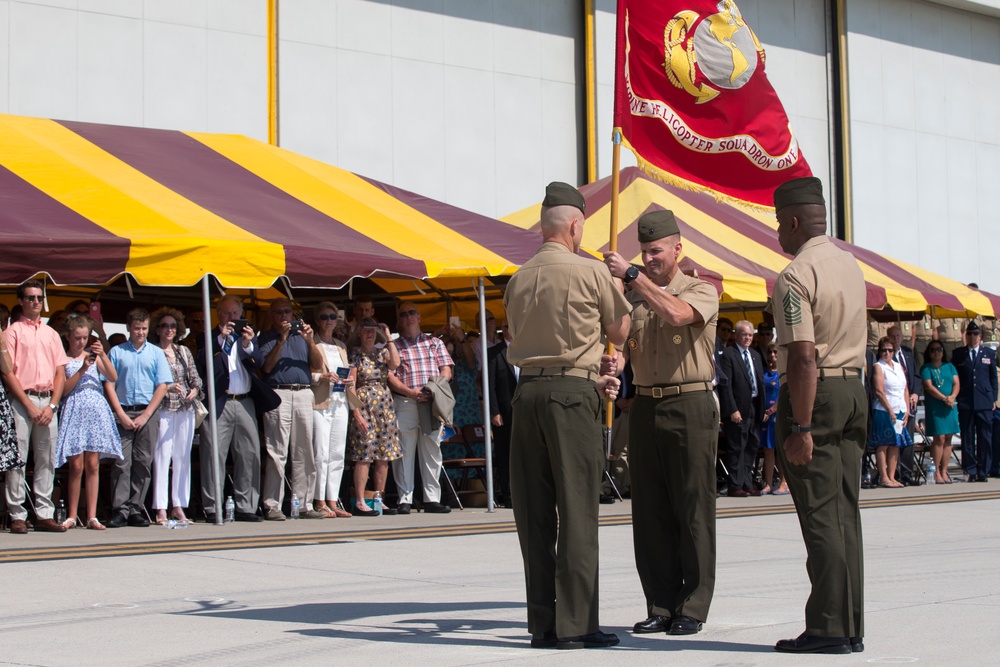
x=673 y=429
x=819 y=309
x=559 y=308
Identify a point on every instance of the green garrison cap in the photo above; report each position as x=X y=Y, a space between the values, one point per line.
x=657 y=225
x=799 y=191
x=563 y=194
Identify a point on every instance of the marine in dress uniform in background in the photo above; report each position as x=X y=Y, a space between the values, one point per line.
x=559 y=309
x=819 y=314
x=672 y=429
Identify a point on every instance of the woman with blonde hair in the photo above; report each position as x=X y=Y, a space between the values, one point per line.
x=331 y=381
x=87 y=430
x=176 y=415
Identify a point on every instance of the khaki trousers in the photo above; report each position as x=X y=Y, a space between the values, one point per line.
x=288 y=434
x=42 y=440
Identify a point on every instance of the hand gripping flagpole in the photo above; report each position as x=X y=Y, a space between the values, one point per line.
x=609 y=411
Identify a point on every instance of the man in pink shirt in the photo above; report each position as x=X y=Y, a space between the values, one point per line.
x=422 y=357
x=35 y=386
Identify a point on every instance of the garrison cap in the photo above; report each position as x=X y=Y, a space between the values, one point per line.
x=657 y=225
x=972 y=328
x=799 y=191
x=563 y=194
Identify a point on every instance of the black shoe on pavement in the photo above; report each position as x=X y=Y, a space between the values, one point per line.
x=210 y=517
x=249 y=517
x=436 y=508
x=546 y=640
x=812 y=644
x=138 y=521
x=652 y=624
x=685 y=625
x=403 y=508
x=857 y=644
x=593 y=640
x=117 y=521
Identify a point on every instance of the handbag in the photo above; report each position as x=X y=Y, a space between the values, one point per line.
x=200 y=414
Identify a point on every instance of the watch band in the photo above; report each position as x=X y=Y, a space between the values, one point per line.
x=631 y=273
x=53 y=407
x=801 y=428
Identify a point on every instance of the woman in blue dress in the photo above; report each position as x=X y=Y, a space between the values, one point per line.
x=889 y=414
x=940 y=412
x=767 y=431
x=87 y=431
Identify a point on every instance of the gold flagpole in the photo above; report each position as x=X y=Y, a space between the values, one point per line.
x=609 y=412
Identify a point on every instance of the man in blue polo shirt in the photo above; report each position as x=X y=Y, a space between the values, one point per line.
x=143 y=378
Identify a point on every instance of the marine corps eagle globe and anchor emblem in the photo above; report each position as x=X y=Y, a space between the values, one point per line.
x=722 y=47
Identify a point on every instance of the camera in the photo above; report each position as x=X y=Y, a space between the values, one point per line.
x=295 y=325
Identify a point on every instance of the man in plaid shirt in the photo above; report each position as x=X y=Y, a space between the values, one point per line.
x=422 y=357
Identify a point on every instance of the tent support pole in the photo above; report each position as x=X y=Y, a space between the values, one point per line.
x=487 y=431
x=213 y=423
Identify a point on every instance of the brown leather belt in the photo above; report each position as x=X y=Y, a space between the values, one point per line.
x=559 y=371
x=38 y=394
x=673 y=389
x=236 y=397
x=292 y=387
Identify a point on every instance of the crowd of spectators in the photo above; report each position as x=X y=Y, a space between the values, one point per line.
x=296 y=403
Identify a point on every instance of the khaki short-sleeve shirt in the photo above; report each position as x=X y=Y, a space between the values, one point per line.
x=663 y=354
x=876 y=331
x=820 y=297
x=925 y=328
x=950 y=331
x=557 y=305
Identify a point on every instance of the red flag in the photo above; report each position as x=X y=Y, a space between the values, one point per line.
x=694 y=105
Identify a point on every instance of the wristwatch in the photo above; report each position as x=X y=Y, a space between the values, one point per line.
x=801 y=428
x=631 y=273
x=54 y=408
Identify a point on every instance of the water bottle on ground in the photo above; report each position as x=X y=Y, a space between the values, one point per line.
x=230 y=510
x=377 y=502
x=931 y=471
x=60 y=516
x=295 y=507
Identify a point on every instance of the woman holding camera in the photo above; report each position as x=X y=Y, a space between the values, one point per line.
x=87 y=431
x=330 y=382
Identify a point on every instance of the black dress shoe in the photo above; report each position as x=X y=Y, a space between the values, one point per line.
x=739 y=493
x=607 y=500
x=138 y=521
x=249 y=517
x=389 y=511
x=436 y=508
x=754 y=492
x=117 y=521
x=357 y=511
x=982 y=478
x=685 y=625
x=545 y=640
x=593 y=640
x=857 y=644
x=812 y=644
x=403 y=508
x=210 y=517
x=652 y=624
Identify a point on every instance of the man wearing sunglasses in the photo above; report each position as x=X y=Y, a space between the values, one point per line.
x=35 y=386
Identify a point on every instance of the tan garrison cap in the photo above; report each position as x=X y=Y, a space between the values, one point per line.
x=563 y=194
x=657 y=225
x=799 y=191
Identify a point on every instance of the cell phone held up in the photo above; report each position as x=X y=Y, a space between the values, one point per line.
x=295 y=326
x=239 y=325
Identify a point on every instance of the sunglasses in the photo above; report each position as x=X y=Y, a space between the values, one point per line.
x=408 y=313
x=936 y=349
x=886 y=349
x=326 y=317
x=283 y=311
x=37 y=299
x=168 y=325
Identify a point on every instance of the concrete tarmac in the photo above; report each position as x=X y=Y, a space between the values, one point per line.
x=449 y=590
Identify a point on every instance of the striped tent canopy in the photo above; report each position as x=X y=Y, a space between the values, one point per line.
x=86 y=203
x=737 y=250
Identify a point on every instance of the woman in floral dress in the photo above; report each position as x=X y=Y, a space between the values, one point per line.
x=374 y=433
x=9 y=457
x=87 y=431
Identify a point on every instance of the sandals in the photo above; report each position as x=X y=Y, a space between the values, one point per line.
x=161 y=521
x=69 y=523
x=94 y=524
x=181 y=519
